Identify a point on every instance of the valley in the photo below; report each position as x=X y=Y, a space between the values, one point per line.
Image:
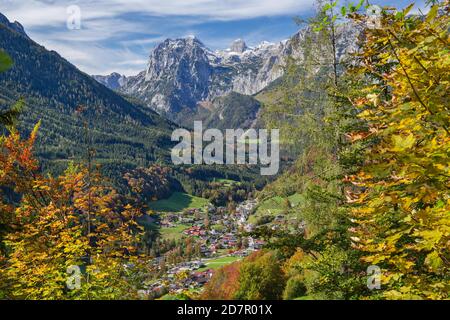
x=216 y=237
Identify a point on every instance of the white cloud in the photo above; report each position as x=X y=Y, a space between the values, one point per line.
x=91 y=59
x=34 y=13
x=110 y=38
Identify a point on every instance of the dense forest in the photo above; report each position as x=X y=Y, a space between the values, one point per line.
x=122 y=133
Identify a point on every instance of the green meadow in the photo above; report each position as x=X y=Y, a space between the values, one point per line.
x=218 y=263
x=177 y=202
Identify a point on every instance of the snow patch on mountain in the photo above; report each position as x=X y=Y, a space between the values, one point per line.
x=181 y=73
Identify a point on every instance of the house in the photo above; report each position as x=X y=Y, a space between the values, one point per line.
x=195 y=231
x=211 y=208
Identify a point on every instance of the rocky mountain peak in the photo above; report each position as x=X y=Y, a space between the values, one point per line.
x=187 y=43
x=16 y=26
x=175 y=57
x=113 y=81
x=183 y=74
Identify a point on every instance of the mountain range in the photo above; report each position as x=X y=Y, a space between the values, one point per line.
x=128 y=120
x=76 y=112
x=183 y=76
x=185 y=80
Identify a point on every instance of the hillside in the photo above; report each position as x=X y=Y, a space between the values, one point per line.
x=123 y=134
x=186 y=81
x=233 y=110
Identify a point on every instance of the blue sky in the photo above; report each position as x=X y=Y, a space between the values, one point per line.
x=118 y=35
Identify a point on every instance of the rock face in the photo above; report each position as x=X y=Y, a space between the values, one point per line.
x=183 y=73
x=178 y=75
x=238 y=46
x=253 y=69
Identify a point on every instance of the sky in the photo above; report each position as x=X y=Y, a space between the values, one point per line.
x=101 y=37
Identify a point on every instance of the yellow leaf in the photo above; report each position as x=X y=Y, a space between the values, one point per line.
x=403 y=143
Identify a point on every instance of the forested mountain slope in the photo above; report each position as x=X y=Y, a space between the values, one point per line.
x=122 y=133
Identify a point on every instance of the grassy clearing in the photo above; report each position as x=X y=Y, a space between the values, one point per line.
x=218 y=263
x=178 y=201
x=271 y=207
x=174 y=233
x=295 y=199
x=275 y=206
x=225 y=182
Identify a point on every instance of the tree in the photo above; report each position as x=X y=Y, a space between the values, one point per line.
x=54 y=229
x=58 y=234
x=15 y=158
x=17 y=168
x=401 y=193
x=223 y=284
x=312 y=108
x=9 y=117
x=295 y=288
x=261 y=278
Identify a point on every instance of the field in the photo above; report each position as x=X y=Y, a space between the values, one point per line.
x=218 y=263
x=274 y=206
x=225 y=182
x=177 y=202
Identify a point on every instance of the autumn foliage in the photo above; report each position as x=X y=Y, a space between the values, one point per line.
x=224 y=283
x=61 y=223
x=258 y=277
x=402 y=201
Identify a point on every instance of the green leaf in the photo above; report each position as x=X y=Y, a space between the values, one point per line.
x=318 y=28
x=432 y=14
x=408 y=9
x=359 y=5
x=344 y=11
x=327 y=7
x=403 y=143
x=399 y=15
x=9 y=118
x=433 y=261
x=439 y=204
